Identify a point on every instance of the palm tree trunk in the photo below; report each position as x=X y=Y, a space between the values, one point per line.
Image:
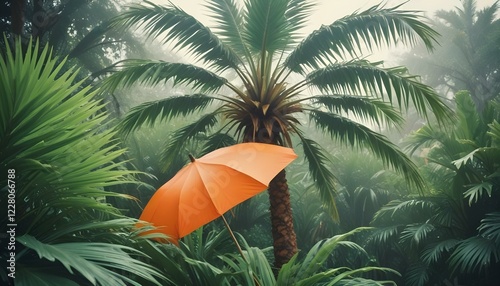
x=284 y=238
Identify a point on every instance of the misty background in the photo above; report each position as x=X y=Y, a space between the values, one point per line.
x=327 y=11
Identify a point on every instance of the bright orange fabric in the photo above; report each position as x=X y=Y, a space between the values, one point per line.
x=211 y=185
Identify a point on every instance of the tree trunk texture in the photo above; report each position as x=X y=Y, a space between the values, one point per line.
x=284 y=238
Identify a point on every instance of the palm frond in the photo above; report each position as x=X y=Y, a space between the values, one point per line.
x=494 y=131
x=164 y=109
x=363 y=281
x=296 y=13
x=478 y=191
x=309 y=266
x=474 y=255
x=173 y=24
x=399 y=213
x=375 y=27
x=97 y=228
x=175 y=146
x=35 y=276
x=417 y=234
x=425 y=137
x=487 y=15
x=490 y=227
x=417 y=274
x=355 y=134
x=56 y=137
x=323 y=178
x=449 y=212
x=254 y=270
x=93 y=39
x=216 y=141
x=414 y=207
x=97 y=262
x=152 y=73
x=469 y=119
x=385 y=235
x=267 y=28
x=434 y=252
x=451 y=17
x=229 y=19
x=393 y=84
x=66 y=159
x=365 y=108
x=349 y=277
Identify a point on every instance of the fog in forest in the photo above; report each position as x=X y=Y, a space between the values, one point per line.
x=396 y=177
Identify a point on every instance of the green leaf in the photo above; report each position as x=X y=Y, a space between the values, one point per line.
x=417 y=274
x=374 y=27
x=324 y=179
x=394 y=84
x=435 y=251
x=346 y=277
x=95 y=261
x=318 y=254
x=35 y=276
x=152 y=73
x=59 y=141
x=229 y=19
x=164 y=109
x=416 y=235
x=490 y=227
x=181 y=137
x=476 y=192
x=357 y=135
x=474 y=255
x=385 y=235
x=173 y=24
x=365 y=108
x=216 y=141
x=267 y=28
x=463 y=161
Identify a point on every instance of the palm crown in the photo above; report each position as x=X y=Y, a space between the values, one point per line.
x=260 y=42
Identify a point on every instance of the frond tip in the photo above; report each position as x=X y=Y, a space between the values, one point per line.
x=170 y=23
x=324 y=179
x=350 y=35
x=355 y=134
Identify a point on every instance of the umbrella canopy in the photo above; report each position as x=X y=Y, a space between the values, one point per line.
x=209 y=186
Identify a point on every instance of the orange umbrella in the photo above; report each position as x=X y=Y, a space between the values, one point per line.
x=209 y=186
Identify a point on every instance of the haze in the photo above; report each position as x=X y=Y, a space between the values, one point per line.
x=327 y=11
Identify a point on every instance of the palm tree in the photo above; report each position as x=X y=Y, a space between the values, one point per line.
x=468 y=56
x=261 y=46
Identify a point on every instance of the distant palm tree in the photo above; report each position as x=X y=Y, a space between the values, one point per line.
x=260 y=43
x=468 y=56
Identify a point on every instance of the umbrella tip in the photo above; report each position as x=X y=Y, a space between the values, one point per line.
x=191 y=157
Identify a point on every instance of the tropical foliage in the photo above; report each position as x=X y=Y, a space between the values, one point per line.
x=78 y=29
x=259 y=43
x=454 y=232
x=199 y=261
x=467 y=57
x=55 y=139
x=250 y=77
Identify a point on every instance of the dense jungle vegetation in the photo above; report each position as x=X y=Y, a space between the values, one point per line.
x=397 y=180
